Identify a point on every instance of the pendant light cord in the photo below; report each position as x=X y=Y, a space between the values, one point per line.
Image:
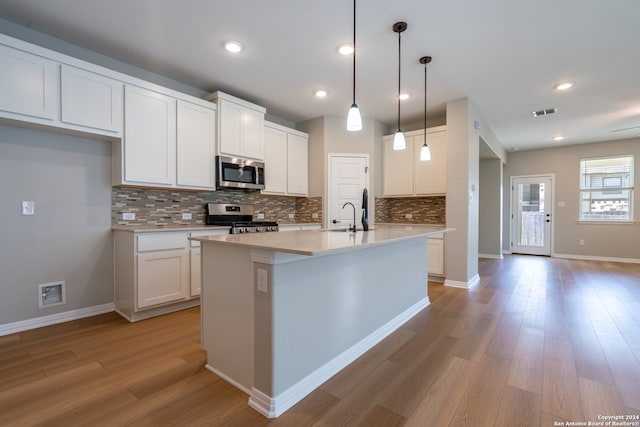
x=399 y=58
x=354 y=51
x=425 y=103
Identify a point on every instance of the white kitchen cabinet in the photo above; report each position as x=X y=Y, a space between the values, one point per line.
x=152 y=273
x=286 y=159
x=195 y=259
x=406 y=175
x=298 y=227
x=430 y=177
x=398 y=168
x=29 y=88
x=297 y=165
x=91 y=100
x=149 y=144
x=195 y=146
x=275 y=160
x=435 y=254
x=239 y=127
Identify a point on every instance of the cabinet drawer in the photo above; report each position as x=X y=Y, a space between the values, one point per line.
x=161 y=242
x=439 y=236
x=195 y=244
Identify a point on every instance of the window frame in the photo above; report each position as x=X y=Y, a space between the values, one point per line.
x=607 y=190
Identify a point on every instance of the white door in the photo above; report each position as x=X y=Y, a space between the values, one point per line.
x=348 y=177
x=531 y=214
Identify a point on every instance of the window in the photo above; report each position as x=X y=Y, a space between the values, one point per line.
x=606 y=189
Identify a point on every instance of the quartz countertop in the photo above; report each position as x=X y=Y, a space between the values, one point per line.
x=190 y=227
x=316 y=242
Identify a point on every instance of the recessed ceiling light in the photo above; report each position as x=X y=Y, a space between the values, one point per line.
x=564 y=85
x=233 y=46
x=345 y=49
x=320 y=93
x=558 y=138
x=404 y=96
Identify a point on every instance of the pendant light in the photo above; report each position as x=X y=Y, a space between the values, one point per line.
x=398 y=140
x=354 y=121
x=425 y=153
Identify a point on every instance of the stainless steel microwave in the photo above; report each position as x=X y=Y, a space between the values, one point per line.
x=237 y=172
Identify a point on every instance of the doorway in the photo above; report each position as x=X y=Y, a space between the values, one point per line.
x=348 y=177
x=531 y=214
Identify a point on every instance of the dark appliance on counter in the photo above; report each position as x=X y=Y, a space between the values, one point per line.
x=238 y=217
x=235 y=172
x=365 y=210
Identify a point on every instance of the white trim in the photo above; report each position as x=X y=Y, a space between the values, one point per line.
x=328 y=200
x=229 y=380
x=158 y=311
x=505 y=252
x=463 y=285
x=512 y=232
x=272 y=407
x=52 y=319
x=597 y=258
x=490 y=256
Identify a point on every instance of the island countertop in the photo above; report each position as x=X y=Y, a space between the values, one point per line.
x=315 y=242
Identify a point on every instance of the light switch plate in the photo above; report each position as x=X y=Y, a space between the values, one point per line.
x=186 y=216
x=260 y=216
x=262 y=280
x=128 y=216
x=28 y=207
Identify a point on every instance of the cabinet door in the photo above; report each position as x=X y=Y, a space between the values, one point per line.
x=150 y=137
x=195 y=146
x=398 y=169
x=252 y=134
x=28 y=84
x=162 y=277
x=435 y=256
x=91 y=100
x=430 y=176
x=196 y=270
x=297 y=166
x=230 y=125
x=275 y=161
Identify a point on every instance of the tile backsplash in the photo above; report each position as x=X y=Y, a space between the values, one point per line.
x=423 y=210
x=165 y=207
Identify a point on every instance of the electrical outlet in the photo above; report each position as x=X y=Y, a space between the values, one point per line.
x=128 y=216
x=581 y=242
x=314 y=216
x=186 y=216
x=408 y=216
x=292 y=216
x=262 y=280
x=260 y=216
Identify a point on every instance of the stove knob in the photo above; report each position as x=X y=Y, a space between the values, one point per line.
x=247 y=230
x=240 y=230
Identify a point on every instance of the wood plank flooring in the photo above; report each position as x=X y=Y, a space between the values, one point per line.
x=538 y=342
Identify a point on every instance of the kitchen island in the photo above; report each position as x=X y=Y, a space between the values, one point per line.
x=283 y=312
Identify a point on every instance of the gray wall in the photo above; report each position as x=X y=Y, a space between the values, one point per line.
x=69 y=237
x=490 y=208
x=601 y=240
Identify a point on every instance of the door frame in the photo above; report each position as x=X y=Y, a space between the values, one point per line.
x=512 y=232
x=328 y=192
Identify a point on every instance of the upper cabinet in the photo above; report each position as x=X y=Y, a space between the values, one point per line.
x=28 y=86
x=167 y=142
x=90 y=100
x=286 y=161
x=404 y=173
x=240 y=127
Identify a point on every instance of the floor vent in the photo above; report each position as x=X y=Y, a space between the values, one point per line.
x=51 y=294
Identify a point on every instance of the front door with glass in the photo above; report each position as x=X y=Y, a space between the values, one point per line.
x=531 y=214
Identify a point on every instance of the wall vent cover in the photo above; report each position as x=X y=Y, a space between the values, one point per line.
x=545 y=112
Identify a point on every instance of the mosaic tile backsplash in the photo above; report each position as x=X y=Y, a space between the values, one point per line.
x=424 y=210
x=165 y=207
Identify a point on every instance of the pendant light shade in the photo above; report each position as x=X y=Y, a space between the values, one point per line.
x=425 y=152
x=398 y=140
x=354 y=121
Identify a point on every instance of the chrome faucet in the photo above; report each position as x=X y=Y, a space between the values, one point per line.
x=354 y=216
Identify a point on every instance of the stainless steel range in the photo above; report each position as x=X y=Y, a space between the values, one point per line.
x=238 y=217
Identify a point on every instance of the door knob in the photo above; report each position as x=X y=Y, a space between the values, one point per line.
x=335 y=221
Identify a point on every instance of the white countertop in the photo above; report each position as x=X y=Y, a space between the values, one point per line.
x=314 y=242
x=189 y=227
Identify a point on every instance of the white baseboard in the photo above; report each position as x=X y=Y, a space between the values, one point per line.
x=506 y=252
x=39 y=322
x=229 y=380
x=463 y=285
x=490 y=256
x=272 y=407
x=597 y=258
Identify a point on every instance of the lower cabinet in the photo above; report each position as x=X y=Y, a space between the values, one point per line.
x=297 y=227
x=163 y=276
x=195 y=259
x=435 y=255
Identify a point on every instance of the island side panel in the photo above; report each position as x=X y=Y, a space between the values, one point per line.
x=227 y=312
x=318 y=307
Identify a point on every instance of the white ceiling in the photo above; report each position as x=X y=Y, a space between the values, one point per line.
x=506 y=55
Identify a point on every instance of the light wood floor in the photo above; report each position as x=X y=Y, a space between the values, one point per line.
x=538 y=341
